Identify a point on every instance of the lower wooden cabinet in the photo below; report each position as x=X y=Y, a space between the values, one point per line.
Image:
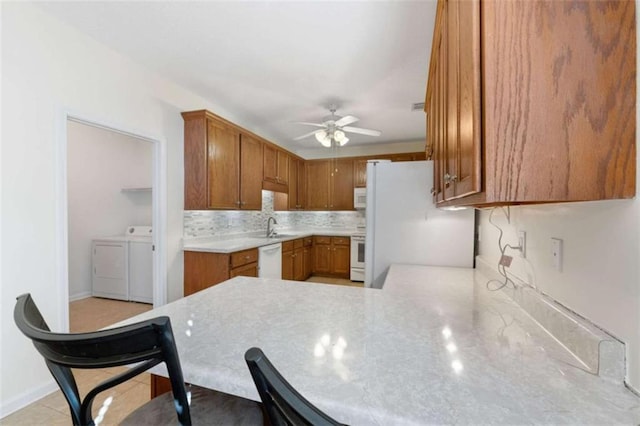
x=203 y=269
x=332 y=256
x=294 y=265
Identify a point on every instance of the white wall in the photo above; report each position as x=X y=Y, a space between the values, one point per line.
x=99 y=164
x=49 y=68
x=599 y=279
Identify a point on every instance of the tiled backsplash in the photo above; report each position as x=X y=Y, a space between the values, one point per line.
x=207 y=223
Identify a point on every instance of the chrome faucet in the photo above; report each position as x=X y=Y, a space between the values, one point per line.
x=271 y=231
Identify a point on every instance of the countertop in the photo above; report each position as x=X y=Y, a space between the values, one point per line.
x=434 y=346
x=240 y=242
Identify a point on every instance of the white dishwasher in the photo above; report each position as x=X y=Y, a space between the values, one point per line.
x=270 y=261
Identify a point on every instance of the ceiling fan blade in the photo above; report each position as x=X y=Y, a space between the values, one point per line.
x=307 y=134
x=367 y=132
x=309 y=124
x=346 y=120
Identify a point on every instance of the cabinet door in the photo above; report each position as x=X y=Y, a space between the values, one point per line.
x=302 y=185
x=287 y=265
x=282 y=175
x=293 y=184
x=250 y=173
x=341 y=260
x=202 y=270
x=298 y=264
x=318 y=185
x=322 y=256
x=468 y=160
x=270 y=162
x=360 y=173
x=341 y=173
x=451 y=140
x=307 y=256
x=249 y=270
x=223 y=153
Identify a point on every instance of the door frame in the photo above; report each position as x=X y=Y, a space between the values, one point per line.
x=159 y=209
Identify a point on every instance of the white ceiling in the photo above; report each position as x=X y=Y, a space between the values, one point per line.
x=275 y=62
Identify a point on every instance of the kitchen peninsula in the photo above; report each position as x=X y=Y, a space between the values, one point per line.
x=433 y=346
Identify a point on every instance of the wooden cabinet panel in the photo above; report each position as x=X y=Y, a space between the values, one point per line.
x=360 y=173
x=307 y=262
x=297 y=184
x=276 y=166
x=341 y=260
x=249 y=270
x=243 y=257
x=322 y=258
x=250 y=173
x=223 y=150
x=287 y=265
x=203 y=270
x=341 y=184
x=318 y=185
x=530 y=135
x=222 y=166
x=332 y=256
x=270 y=160
x=298 y=264
x=195 y=163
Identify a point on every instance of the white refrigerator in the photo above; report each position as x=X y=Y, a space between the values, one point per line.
x=404 y=226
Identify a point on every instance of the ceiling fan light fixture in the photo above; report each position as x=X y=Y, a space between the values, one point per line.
x=344 y=141
x=323 y=138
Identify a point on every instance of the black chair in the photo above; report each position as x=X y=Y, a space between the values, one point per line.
x=283 y=405
x=146 y=344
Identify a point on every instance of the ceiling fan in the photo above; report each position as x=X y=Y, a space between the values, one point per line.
x=334 y=127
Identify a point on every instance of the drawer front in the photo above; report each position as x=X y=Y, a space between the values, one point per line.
x=243 y=257
x=308 y=241
x=322 y=240
x=299 y=243
x=249 y=270
x=287 y=246
x=341 y=241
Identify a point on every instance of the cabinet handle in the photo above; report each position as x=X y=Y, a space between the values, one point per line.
x=247 y=257
x=244 y=202
x=450 y=178
x=238 y=202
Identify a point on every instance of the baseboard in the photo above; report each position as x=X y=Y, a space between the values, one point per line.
x=20 y=401
x=79 y=296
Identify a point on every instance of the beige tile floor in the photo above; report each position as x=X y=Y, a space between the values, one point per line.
x=92 y=314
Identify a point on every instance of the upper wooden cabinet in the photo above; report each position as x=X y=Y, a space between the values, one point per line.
x=276 y=169
x=532 y=101
x=330 y=184
x=222 y=167
x=297 y=184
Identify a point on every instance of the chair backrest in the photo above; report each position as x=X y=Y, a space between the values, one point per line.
x=146 y=344
x=282 y=403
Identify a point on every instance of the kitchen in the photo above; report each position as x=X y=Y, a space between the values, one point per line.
x=601 y=238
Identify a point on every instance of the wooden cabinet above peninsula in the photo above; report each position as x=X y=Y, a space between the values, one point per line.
x=532 y=101
x=222 y=163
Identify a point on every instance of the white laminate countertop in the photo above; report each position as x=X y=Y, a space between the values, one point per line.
x=434 y=346
x=253 y=240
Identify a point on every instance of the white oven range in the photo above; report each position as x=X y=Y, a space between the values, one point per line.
x=357 y=256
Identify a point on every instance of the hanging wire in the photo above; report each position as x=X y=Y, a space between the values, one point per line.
x=502 y=269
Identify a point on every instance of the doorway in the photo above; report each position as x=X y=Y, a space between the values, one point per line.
x=111 y=181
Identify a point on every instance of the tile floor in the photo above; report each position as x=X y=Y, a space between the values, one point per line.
x=92 y=314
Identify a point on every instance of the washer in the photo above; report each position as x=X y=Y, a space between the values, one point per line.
x=123 y=265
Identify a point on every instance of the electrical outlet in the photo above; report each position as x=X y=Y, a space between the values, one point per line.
x=556 y=254
x=522 y=242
